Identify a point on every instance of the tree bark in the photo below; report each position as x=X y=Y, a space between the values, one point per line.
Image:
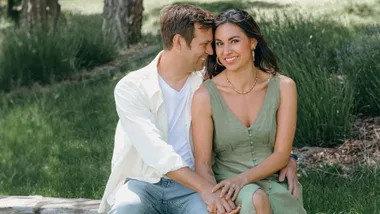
x=11 y=12
x=122 y=21
x=40 y=13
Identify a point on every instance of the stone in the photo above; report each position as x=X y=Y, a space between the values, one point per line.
x=46 y=205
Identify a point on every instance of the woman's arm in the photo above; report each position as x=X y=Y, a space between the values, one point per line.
x=286 y=126
x=202 y=132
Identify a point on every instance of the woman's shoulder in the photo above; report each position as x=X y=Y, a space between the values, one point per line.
x=287 y=86
x=286 y=81
x=201 y=94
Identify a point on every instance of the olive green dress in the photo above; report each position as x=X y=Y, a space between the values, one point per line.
x=237 y=148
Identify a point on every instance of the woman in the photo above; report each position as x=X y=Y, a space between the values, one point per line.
x=244 y=120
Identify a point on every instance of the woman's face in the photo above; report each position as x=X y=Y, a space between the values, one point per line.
x=233 y=47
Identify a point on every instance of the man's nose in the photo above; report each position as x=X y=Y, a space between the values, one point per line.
x=209 y=49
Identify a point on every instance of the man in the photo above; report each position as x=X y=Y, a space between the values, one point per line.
x=152 y=164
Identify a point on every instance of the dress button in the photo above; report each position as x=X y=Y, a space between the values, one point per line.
x=251 y=142
x=250 y=135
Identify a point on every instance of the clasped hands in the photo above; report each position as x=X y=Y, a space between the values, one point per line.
x=222 y=197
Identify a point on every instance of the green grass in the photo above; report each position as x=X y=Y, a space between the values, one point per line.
x=328 y=191
x=358 y=61
x=58 y=143
x=306 y=48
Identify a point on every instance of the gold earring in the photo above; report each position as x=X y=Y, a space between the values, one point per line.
x=218 y=61
x=253 y=54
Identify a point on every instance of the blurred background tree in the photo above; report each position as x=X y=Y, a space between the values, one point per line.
x=122 y=21
x=39 y=13
x=12 y=11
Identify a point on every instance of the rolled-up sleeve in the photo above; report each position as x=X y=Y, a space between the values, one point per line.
x=139 y=123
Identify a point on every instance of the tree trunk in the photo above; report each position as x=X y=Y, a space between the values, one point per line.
x=122 y=21
x=40 y=13
x=11 y=12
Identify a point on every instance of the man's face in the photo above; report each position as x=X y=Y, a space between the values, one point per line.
x=200 y=48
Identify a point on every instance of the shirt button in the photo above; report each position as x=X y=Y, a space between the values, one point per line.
x=250 y=135
x=251 y=142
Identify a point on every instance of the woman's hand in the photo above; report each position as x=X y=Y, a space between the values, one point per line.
x=230 y=188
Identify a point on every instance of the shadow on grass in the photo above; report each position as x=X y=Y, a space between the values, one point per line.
x=58 y=143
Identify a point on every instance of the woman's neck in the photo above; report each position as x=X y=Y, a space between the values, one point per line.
x=244 y=78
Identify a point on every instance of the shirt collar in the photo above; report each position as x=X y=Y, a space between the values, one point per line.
x=153 y=85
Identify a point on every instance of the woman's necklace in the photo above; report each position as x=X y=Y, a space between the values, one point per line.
x=241 y=92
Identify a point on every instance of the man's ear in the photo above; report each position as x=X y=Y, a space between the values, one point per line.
x=178 y=42
x=253 y=43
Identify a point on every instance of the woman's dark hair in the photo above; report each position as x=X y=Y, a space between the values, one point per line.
x=264 y=56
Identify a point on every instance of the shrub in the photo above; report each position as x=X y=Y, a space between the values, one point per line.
x=35 y=56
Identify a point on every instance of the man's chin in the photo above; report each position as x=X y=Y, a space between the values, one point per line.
x=199 y=68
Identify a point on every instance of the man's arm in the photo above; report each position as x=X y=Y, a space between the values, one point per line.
x=139 y=123
x=290 y=172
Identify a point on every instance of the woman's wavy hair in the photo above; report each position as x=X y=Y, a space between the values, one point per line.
x=265 y=59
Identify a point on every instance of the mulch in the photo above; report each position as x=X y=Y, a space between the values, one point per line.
x=362 y=149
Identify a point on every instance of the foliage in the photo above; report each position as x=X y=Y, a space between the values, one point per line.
x=43 y=57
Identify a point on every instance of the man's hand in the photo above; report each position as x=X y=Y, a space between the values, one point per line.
x=290 y=172
x=235 y=211
x=216 y=204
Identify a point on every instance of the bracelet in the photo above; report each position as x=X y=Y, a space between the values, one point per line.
x=295 y=157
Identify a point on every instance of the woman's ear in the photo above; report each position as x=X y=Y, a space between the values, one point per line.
x=253 y=43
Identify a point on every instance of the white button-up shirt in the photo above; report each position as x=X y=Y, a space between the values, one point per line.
x=141 y=150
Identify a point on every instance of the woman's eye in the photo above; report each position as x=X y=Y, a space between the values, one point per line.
x=234 y=41
x=218 y=44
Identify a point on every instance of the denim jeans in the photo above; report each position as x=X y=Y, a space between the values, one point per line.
x=164 y=197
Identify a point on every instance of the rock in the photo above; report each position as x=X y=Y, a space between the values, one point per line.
x=45 y=205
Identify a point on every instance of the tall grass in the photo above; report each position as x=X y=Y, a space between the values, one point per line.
x=306 y=49
x=43 y=57
x=359 y=63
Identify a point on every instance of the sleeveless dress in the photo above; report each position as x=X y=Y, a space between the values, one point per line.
x=237 y=148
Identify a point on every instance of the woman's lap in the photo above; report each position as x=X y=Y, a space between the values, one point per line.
x=281 y=200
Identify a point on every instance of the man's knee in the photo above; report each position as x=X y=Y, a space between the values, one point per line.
x=260 y=200
x=133 y=207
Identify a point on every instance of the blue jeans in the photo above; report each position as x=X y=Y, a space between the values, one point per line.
x=164 y=197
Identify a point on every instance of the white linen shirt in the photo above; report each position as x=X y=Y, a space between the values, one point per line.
x=141 y=150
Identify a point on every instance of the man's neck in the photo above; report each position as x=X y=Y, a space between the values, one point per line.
x=172 y=70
